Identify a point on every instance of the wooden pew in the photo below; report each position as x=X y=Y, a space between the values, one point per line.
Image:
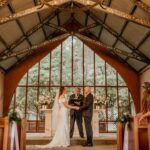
x=138 y=135
x=21 y=134
x=142 y=135
x=4 y=125
x=120 y=136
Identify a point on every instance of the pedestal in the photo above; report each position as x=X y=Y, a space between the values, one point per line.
x=48 y=122
x=95 y=123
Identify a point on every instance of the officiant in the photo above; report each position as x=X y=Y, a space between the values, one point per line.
x=76 y=99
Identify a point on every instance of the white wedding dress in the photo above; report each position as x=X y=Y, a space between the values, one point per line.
x=61 y=137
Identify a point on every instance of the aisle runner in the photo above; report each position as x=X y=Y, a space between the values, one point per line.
x=14 y=136
x=126 y=139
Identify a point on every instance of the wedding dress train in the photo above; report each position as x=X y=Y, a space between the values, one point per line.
x=61 y=137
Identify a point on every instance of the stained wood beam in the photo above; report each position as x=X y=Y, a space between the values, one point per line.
x=105 y=9
x=28 y=33
x=44 y=32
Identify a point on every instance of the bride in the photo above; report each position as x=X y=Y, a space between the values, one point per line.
x=60 y=121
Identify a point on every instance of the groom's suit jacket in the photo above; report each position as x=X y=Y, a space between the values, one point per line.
x=87 y=107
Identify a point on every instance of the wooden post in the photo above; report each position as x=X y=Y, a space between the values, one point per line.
x=4 y=124
x=149 y=136
x=120 y=131
x=136 y=134
x=23 y=134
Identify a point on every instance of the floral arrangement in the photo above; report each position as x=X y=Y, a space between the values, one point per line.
x=43 y=100
x=124 y=118
x=15 y=115
x=101 y=100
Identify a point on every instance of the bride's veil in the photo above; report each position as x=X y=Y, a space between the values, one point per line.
x=55 y=113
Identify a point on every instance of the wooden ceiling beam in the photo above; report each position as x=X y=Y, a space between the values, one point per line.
x=44 y=32
x=28 y=33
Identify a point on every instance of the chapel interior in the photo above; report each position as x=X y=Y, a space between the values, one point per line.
x=101 y=44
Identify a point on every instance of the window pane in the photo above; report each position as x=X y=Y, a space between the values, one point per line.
x=55 y=71
x=111 y=76
x=99 y=94
x=33 y=75
x=123 y=97
x=112 y=104
x=100 y=91
x=77 y=62
x=23 y=80
x=121 y=81
x=112 y=127
x=133 y=112
x=67 y=61
x=124 y=106
x=20 y=99
x=44 y=70
x=31 y=109
x=12 y=104
x=88 y=66
x=53 y=91
x=100 y=71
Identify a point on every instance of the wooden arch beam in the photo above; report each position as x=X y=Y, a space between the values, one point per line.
x=13 y=76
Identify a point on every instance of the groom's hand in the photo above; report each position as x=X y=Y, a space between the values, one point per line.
x=77 y=103
x=77 y=108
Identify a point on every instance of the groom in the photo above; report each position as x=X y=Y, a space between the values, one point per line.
x=87 y=109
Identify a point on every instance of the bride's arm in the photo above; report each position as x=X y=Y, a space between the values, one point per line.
x=69 y=106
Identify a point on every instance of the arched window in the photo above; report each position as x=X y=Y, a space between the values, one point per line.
x=73 y=64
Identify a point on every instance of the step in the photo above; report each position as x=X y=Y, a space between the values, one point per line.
x=74 y=141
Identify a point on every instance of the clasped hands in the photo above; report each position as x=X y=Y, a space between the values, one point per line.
x=76 y=107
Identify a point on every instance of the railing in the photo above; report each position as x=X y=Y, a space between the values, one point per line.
x=35 y=126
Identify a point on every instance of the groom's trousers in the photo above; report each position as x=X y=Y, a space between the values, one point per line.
x=88 y=128
x=76 y=116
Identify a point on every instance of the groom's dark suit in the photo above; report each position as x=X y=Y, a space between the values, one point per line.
x=76 y=115
x=87 y=109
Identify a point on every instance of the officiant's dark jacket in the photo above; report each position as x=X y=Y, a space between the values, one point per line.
x=87 y=107
x=80 y=98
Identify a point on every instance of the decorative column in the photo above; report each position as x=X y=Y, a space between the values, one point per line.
x=48 y=121
x=95 y=123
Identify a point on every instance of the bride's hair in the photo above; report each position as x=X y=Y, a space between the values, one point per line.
x=61 y=90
